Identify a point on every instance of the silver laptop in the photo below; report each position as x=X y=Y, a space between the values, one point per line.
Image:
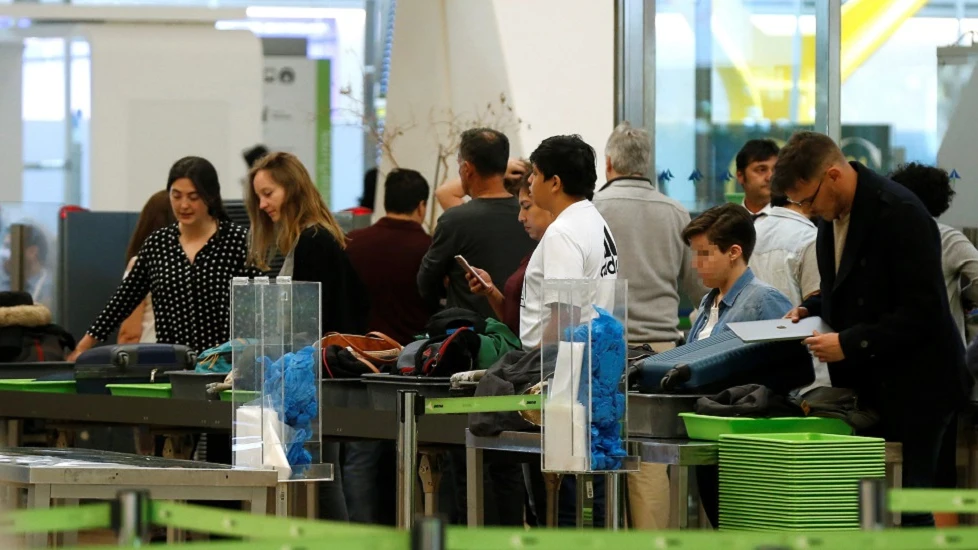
x=779 y=329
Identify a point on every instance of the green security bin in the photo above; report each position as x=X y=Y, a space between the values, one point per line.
x=38 y=386
x=240 y=396
x=162 y=391
x=710 y=428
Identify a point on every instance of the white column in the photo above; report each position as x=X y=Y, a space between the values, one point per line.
x=161 y=92
x=11 y=138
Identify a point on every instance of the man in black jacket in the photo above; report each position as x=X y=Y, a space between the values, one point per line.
x=882 y=290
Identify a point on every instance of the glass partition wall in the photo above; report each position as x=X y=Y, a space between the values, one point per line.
x=704 y=76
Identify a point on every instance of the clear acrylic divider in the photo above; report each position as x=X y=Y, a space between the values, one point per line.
x=583 y=364
x=275 y=396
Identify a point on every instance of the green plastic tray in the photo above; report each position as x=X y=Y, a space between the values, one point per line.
x=228 y=395
x=700 y=426
x=39 y=386
x=791 y=441
x=140 y=390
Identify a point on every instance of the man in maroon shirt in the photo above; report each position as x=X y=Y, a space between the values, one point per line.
x=387 y=256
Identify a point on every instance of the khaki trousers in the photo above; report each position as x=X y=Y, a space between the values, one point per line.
x=648 y=489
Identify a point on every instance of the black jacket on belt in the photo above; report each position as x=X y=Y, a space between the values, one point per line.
x=889 y=304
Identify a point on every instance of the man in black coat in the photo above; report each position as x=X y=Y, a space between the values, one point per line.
x=882 y=290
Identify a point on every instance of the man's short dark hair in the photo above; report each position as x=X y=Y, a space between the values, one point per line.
x=778 y=199
x=931 y=184
x=756 y=150
x=486 y=149
x=724 y=226
x=570 y=158
x=802 y=159
x=404 y=190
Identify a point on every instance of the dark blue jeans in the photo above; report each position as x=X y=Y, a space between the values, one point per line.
x=370 y=481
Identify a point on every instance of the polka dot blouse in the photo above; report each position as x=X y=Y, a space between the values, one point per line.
x=191 y=301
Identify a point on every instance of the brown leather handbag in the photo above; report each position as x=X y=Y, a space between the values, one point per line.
x=376 y=349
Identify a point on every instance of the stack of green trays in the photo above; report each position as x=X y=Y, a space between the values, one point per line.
x=795 y=482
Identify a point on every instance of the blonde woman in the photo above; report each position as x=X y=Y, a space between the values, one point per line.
x=288 y=214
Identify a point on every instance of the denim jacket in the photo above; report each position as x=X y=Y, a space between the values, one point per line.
x=749 y=299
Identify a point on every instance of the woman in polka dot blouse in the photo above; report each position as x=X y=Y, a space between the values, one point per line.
x=188 y=266
x=287 y=213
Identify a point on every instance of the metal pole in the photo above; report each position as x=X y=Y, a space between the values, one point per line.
x=407 y=457
x=428 y=534
x=828 y=68
x=872 y=504
x=613 y=505
x=131 y=524
x=18 y=245
x=708 y=192
x=372 y=55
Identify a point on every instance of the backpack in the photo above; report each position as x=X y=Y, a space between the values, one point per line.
x=26 y=332
x=452 y=346
x=447 y=354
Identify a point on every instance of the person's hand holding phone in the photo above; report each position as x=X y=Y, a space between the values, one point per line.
x=475 y=285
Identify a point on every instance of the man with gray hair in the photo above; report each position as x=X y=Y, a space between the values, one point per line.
x=648 y=227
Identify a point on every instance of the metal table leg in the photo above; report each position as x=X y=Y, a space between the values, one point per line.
x=407 y=457
x=283 y=499
x=68 y=538
x=259 y=501
x=174 y=535
x=475 y=497
x=38 y=496
x=613 y=505
x=585 y=500
x=679 y=495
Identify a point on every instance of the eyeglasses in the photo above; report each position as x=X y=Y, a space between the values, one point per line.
x=808 y=202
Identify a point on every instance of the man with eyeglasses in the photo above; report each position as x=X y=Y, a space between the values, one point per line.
x=882 y=290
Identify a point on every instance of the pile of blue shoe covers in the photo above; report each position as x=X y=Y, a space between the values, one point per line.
x=300 y=405
x=608 y=355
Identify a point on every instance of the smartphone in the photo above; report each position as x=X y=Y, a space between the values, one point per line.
x=468 y=269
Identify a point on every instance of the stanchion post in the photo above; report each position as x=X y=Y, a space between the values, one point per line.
x=872 y=504
x=428 y=533
x=130 y=518
x=407 y=457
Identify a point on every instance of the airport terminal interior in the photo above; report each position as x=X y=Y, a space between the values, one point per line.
x=488 y=274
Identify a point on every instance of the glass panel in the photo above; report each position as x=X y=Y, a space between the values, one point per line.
x=39 y=257
x=275 y=329
x=55 y=159
x=726 y=72
x=925 y=61
x=583 y=360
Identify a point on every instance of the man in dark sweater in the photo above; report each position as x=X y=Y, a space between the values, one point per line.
x=484 y=230
x=388 y=254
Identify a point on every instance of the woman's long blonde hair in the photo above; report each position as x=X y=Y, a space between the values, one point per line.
x=302 y=207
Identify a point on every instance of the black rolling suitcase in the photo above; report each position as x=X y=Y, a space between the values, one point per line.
x=722 y=361
x=129 y=364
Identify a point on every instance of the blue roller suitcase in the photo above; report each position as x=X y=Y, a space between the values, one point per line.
x=722 y=361
x=129 y=364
